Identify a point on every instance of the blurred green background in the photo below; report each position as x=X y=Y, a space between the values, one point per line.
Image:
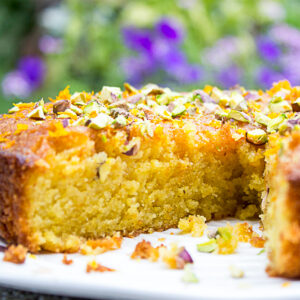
x=48 y=44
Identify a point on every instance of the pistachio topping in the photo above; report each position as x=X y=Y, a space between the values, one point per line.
x=189 y=276
x=101 y=121
x=274 y=124
x=37 y=113
x=238 y=116
x=208 y=247
x=110 y=94
x=256 y=136
x=13 y=110
x=178 y=110
x=261 y=118
x=61 y=106
x=280 y=106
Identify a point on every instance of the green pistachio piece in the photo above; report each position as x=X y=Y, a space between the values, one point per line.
x=188 y=275
x=129 y=88
x=224 y=233
x=149 y=128
x=66 y=116
x=208 y=246
x=261 y=251
x=78 y=99
x=239 y=116
x=76 y=109
x=296 y=105
x=261 y=118
x=221 y=113
x=178 y=110
x=13 y=109
x=161 y=110
x=110 y=94
x=37 y=114
x=274 y=124
x=276 y=99
x=120 y=120
x=219 y=96
x=256 y=136
x=237 y=101
x=101 y=121
x=280 y=107
x=79 y=122
x=92 y=106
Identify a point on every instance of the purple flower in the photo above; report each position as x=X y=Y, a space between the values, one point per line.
x=266 y=76
x=137 y=68
x=230 y=76
x=170 y=29
x=138 y=39
x=221 y=54
x=16 y=84
x=268 y=49
x=49 y=44
x=286 y=35
x=33 y=68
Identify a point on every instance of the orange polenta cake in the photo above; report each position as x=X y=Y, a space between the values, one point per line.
x=125 y=161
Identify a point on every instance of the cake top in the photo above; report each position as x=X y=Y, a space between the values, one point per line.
x=259 y=113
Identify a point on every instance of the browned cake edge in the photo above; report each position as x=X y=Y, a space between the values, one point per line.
x=13 y=223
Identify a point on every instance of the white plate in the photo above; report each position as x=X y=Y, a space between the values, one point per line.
x=145 y=280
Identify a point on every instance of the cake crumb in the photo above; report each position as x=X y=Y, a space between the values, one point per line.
x=193 y=224
x=236 y=272
x=285 y=284
x=257 y=241
x=94 y=247
x=145 y=250
x=227 y=240
x=15 y=254
x=244 y=232
x=66 y=261
x=96 y=267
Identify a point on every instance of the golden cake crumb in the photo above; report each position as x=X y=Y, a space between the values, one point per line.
x=193 y=224
x=66 y=261
x=96 y=267
x=227 y=240
x=244 y=232
x=15 y=254
x=145 y=250
x=94 y=247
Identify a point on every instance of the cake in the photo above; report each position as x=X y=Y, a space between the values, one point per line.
x=89 y=165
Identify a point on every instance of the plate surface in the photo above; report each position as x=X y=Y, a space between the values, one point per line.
x=141 y=279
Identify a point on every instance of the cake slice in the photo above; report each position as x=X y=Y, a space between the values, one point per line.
x=84 y=165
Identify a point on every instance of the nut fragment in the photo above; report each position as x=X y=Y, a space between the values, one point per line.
x=61 y=106
x=15 y=254
x=208 y=246
x=256 y=136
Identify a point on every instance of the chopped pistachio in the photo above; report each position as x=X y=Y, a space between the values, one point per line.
x=132 y=147
x=256 y=136
x=208 y=246
x=149 y=128
x=162 y=111
x=280 y=107
x=110 y=94
x=37 y=114
x=13 y=110
x=78 y=98
x=261 y=118
x=221 y=113
x=152 y=89
x=239 y=116
x=101 y=121
x=274 y=124
x=237 y=101
x=219 y=96
x=296 y=105
x=129 y=88
x=76 y=109
x=236 y=272
x=90 y=107
x=78 y=122
x=225 y=233
x=68 y=115
x=164 y=99
x=178 y=110
x=61 y=106
x=188 y=275
x=120 y=120
x=261 y=251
